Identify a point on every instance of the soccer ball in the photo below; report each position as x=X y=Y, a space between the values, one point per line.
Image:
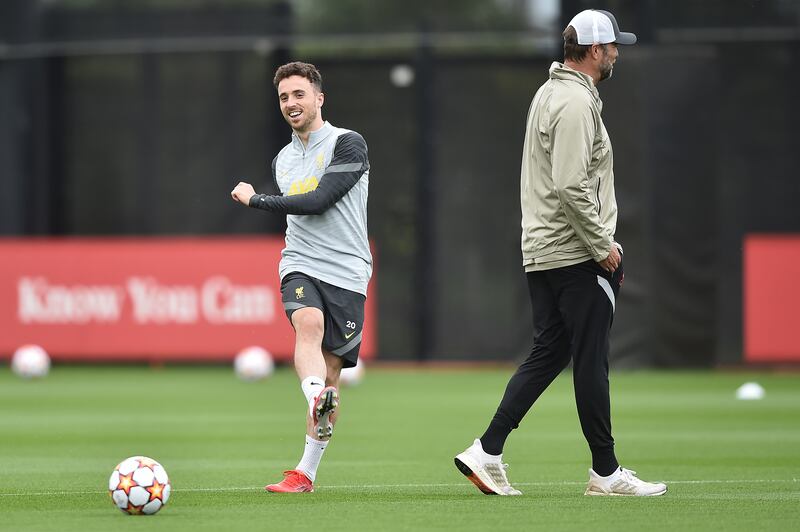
x=139 y=485
x=750 y=391
x=352 y=376
x=253 y=363
x=30 y=361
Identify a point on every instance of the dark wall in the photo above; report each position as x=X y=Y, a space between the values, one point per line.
x=659 y=117
x=756 y=167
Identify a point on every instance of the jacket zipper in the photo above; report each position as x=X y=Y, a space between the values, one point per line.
x=599 y=203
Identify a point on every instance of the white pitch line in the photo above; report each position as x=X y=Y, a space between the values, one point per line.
x=562 y=483
x=387 y=486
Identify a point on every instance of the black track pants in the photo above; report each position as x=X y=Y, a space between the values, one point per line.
x=573 y=309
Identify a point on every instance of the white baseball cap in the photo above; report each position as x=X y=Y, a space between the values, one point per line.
x=595 y=26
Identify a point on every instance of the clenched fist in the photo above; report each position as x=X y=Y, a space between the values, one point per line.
x=243 y=192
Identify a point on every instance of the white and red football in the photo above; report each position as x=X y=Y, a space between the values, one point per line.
x=139 y=485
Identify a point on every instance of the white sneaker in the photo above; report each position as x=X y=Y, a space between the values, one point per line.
x=487 y=472
x=623 y=482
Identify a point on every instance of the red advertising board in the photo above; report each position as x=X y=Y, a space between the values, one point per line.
x=771 y=298
x=147 y=299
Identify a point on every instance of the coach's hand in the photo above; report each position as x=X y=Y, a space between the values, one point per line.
x=611 y=263
x=243 y=192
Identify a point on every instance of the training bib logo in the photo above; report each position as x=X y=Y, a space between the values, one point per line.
x=303 y=186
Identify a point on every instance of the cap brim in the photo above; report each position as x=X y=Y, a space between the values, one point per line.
x=625 y=38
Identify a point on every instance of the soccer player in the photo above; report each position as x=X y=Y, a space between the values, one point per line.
x=572 y=262
x=323 y=177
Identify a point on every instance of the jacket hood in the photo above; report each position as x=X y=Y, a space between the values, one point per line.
x=562 y=72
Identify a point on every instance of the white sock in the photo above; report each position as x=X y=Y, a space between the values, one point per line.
x=311 y=457
x=312 y=386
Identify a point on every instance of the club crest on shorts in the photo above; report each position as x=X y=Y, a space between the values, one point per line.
x=298 y=292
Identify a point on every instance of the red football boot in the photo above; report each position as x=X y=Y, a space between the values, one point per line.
x=322 y=408
x=294 y=481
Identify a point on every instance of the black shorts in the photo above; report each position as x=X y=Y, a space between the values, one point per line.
x=343 y=312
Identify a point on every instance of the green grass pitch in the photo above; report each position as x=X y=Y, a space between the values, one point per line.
x=730 y=465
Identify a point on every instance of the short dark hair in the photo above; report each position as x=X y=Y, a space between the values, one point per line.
x=572 y=50
x=298 y=68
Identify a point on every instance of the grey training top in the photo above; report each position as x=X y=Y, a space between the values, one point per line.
x=324 y=190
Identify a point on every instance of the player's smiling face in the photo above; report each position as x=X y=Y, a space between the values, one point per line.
x=301 y=104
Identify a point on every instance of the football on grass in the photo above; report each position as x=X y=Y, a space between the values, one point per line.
x=30 y=362
x=352 y=376
x=253 y=363
x=139 y=485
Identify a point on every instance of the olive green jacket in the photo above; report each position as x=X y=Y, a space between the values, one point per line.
x=569 y=211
